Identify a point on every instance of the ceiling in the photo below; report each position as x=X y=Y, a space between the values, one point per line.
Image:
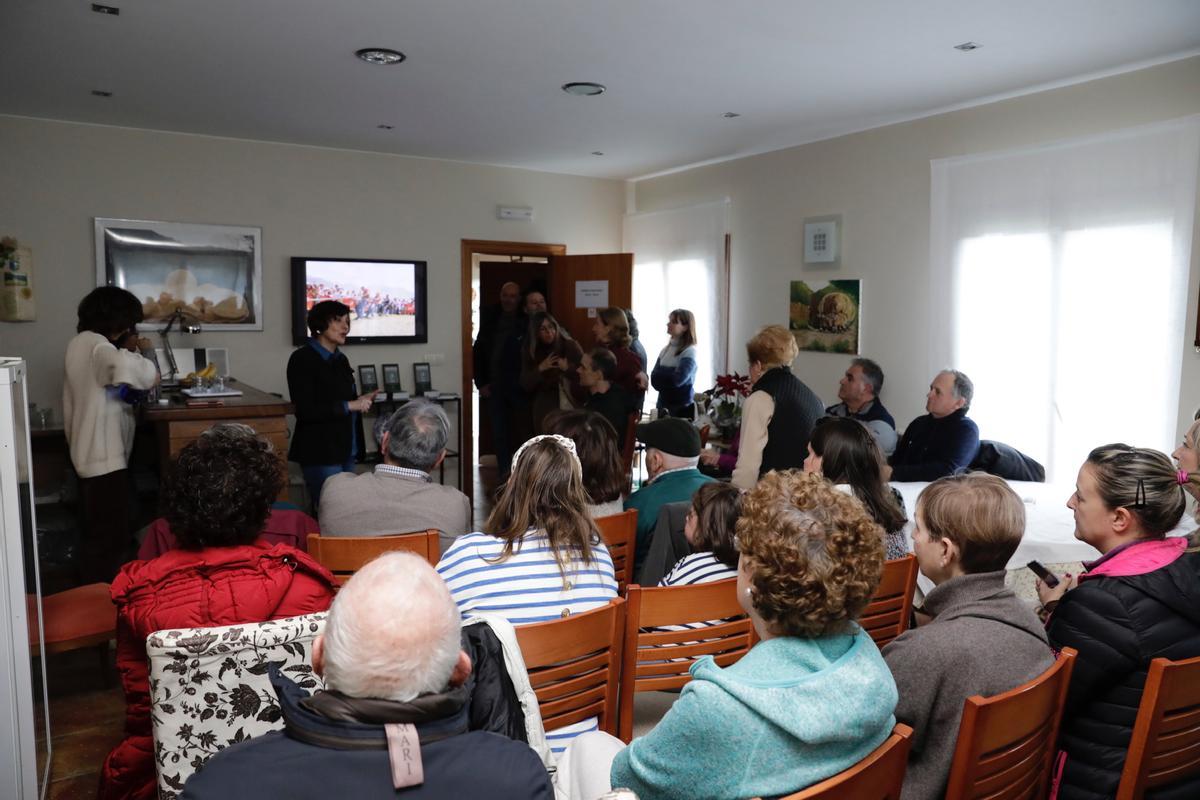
x=482 y=80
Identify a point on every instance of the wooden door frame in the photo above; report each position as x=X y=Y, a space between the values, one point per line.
x=471 y=248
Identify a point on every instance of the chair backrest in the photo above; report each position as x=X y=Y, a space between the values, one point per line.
x=879 y=776
x=656 y=659
x=886 y=616
x=619 y=532
x=1165 y=746
x=573 y=665
x=345 y=555
x=209 y=688
x=1007 y=743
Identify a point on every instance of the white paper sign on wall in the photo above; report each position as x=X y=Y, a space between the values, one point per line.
x=591 y=294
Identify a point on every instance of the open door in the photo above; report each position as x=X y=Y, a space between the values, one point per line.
x=616 y=269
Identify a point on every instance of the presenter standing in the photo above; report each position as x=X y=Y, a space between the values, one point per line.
x=328 y=437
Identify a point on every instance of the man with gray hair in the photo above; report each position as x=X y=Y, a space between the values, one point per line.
x=399 y=496
x=943 y=442
x=395 y=713
x=859 y=392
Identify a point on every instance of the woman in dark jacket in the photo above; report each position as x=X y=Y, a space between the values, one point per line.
x=1139 y=601
x=611 y=330
x=328 y=436
x=550 y=368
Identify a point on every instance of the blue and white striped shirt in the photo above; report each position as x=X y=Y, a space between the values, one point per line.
x=697 y=568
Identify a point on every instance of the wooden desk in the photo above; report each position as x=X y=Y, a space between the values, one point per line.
x=177 y=424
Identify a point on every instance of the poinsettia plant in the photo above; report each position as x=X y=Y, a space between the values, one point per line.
x=735 y=385
x=727 y=397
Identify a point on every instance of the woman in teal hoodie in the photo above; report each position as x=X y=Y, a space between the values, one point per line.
x=814 y=696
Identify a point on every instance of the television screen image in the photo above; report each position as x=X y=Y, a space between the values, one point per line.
x=387 y=299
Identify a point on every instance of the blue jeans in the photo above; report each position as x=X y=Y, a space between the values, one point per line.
x=315 y=476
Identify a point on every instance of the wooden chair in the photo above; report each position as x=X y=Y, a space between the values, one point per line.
x=81 y=617
x=1007 y=743
x=573 y=665
x=655 y=660
x=345 y=555
x=887 y=615
x=619 y=532
x=879 y=776
x=1165 y=746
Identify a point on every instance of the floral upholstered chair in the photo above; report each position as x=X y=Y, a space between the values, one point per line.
x=209 y=688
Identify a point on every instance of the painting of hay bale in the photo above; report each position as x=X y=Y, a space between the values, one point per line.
x=824 y=315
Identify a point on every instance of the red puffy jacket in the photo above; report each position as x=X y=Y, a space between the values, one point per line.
x=186 y=589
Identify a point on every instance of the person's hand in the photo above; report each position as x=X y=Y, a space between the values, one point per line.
x=550 y=362
x=1049 y=595
x=485 y=391
x=642 y=381
x=710 y=457
x=362 y=403
x=143 y=344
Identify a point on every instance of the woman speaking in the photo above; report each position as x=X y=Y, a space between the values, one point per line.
x=328 y=436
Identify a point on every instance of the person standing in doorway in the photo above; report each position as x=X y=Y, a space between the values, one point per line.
x=496 y=356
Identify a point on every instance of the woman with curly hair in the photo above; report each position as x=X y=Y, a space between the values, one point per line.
x=217 y=497
x=844 y=451
x=549 y=368
x=596 y=445
x=810 y=699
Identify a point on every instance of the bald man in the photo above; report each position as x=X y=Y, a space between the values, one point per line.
x=496 y=356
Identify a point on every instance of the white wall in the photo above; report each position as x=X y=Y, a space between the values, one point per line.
x=55 y=177
x=879 y=181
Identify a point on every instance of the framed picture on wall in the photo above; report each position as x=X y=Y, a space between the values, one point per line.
x=212 y=273
x=368 y=380
x=422 y=378
x=391 y=378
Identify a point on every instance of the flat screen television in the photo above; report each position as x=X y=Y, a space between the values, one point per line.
x=387 y=298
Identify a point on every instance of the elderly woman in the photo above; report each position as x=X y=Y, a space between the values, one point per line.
x=549 y=368
x=217 y=498
x=1138 y=601
x=982 y=639
x=810 y=699
x=779 y=414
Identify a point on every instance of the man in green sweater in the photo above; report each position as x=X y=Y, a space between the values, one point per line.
x=672 y=452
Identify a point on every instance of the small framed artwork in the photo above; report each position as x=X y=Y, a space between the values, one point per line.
x=823 y=241
x=368 y=380
x=391 y=378
x=422 y=378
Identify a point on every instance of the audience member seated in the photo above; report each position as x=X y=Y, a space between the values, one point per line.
x=542 y=557
x=811 y=699
x=396 y=703
x=672 y=452
x=779 y=414
x=709 y=530
x=1187 y=456
x=286 y=524
x=595 y=444
x=550 y=361
x=611 y=330
x=597 y=371
x=399 y=496
x=217 y=497
x=846 y=453
x=943 y=442
x=1139 y=601
x=982 y=639
x=859 y=392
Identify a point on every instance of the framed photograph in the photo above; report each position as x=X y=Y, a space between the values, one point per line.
x=212 y=273
x=422 y=378
x=368 y=380
x=825 y=316
x=391 y=378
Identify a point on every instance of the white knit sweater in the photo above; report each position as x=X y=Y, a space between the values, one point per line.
x=99 y=424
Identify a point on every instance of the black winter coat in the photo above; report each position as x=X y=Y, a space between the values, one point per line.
x=320 y=390
x=1119 y=624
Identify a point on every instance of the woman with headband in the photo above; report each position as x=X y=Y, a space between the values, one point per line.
x=1138 y=601
x=540 y=556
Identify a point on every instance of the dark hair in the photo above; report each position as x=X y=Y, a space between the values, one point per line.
x=325 y=312
x=109 y=310
x=684 y=317
x=604 y=362
x=618 y=327
x=633 y=326
x=849 y=454
x=980 y=513
x=1142 y=481
x=535 y=343
x=871 y=372
x=220 y=489
x=717 y=506
x=596 y=443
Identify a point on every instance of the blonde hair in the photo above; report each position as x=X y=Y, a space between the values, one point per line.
x=618 y=326
x=980 y=513
x=773 y=346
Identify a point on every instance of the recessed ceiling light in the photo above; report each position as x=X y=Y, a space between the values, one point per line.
x=110 y=10
x=583 y=88
x=101 y=93
x=597 y=153
x=967 y=47
x=380 y=55
x=385 y=127
x=730 y=114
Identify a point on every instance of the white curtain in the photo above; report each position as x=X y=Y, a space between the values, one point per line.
x=679 y=262
x=1064 y=271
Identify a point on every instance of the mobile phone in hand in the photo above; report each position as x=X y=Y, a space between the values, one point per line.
x=1048 y=577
